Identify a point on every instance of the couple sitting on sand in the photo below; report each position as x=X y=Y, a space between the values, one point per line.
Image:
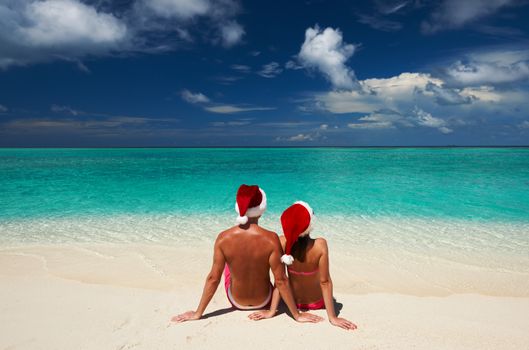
x=246 y=252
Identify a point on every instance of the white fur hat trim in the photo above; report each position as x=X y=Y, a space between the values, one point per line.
x=252 y=212
x=287 y=259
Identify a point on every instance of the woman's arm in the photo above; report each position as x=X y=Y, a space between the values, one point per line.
x=326 y=289
x=212 y=282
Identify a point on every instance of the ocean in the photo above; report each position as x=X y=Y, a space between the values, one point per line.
x=464 y=209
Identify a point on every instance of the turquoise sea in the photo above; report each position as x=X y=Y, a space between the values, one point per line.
x=473 y=200
x=477 y=184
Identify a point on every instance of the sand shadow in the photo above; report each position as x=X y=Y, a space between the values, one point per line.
x=283 y=309
x=218 y=312
x=337 y=306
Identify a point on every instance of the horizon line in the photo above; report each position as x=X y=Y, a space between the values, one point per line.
x=242 y=147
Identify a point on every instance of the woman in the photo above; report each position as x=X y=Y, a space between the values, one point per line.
x=307 y=261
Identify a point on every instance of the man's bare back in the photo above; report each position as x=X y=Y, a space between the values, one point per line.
x=247 y=250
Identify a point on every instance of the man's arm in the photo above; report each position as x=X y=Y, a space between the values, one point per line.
x=212 y=282
x=283 y=286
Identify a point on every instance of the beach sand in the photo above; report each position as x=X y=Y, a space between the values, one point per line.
x=122 y=296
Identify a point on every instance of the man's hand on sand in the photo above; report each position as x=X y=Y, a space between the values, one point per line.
x=308 y=317
x=343 y=323
x=261 y=315
x=186 y=316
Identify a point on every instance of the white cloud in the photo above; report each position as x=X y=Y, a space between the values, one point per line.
x=69 y=22
x=33 y=31
x=482 y=93
x=270 y=70
x=390 y=120
x=191 y=97
x=178 y=8
x=241 y=68
x=491 y=67
x=324 y=126
x=420 y=100
x=376 y=94
x=378 y=121
x=454 y=14
x=3 y=109
x=300 y=138
x=293 y=65
x=388 y=7
x=326 y=51
x=65 y=109
x=373 y=125
x=231 y=33
x=424 y=118
x=230 y=109
x=448 y=96
x=43 y=30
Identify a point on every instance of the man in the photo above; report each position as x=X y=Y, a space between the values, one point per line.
x=246 y=253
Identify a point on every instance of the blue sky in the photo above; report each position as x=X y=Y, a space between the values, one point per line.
x=85 y=73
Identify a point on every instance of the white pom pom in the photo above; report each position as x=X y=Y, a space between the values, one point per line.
x=287 y=259
x=242 y=220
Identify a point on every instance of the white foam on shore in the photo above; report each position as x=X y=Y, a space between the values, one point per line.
x=410 y=256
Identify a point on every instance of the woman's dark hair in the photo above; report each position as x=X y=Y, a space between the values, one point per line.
x=299 y=249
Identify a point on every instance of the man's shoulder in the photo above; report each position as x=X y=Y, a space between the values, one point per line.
x=268 y=234
x=226 y=233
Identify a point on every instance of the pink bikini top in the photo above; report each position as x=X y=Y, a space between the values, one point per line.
x=301 y=273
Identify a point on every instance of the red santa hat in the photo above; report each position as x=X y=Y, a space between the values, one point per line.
x=297 y=222
x=250 y=202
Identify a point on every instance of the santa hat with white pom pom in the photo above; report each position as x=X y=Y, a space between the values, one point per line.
x=250 y=202
x=297 y=222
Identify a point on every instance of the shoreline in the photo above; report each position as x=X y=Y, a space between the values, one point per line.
x=354 y=271
x=122 y=296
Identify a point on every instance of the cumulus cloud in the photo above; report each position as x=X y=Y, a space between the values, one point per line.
x=3 y=109
x=270 y=70
x=191 y=97
x=43 y=30
x=376 y=94
x=33 y=31
x=492 y=67
x=454 y=14
x=325 y=51
x=420 y=100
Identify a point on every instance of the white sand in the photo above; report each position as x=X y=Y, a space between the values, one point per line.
x=122 y=296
